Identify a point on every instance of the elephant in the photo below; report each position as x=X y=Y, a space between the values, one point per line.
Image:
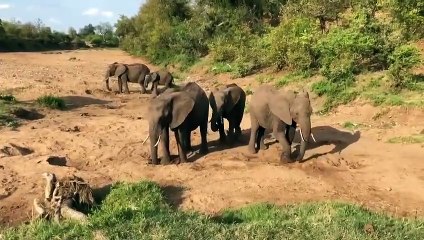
x=227 y=102
x=135 y=73
x=182 y=111
x=280 y=112
x=161 y=77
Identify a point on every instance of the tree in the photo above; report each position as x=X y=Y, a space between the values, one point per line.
x=105 y=30
x=72 y=33
x=2 y=31
x=124 y=26
x=87 y=30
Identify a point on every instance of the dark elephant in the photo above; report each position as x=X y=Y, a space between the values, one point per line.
x=227 y=102
x=182 y=111
x=281 y=112
x=161 y=77
x=134 y=73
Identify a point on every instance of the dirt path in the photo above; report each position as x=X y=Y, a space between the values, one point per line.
x=100 y=137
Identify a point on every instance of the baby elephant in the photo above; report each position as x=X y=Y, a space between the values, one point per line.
x=161 y=77
x=227 y=102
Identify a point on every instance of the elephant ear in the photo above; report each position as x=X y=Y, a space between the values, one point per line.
x=120 y=69
x=232 y=99
x=280 y=107
x=182 y=105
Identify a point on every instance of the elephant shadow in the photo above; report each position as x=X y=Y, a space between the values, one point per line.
x=217 y=146
x=326 y=135
x=74 y=102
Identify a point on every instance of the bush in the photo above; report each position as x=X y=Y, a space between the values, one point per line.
x=52 y=102
x=291 y=44
x=336 y=93
x=402 y=60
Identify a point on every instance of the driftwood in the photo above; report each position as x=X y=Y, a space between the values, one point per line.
x=59 y=196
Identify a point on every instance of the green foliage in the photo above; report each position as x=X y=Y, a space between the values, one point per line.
x=402 y=60
x=410 y=16
x=52 y=102
x=6 y=106
x=336 y=93
x=291 y=44
x=139 y=211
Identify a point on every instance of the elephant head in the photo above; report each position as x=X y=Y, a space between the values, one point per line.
x=295 y=108
x=221 y=101
x=114 y=69
x=150 y=78
x=166 y=112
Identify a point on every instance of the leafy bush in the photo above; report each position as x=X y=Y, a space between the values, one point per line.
x=402 y=60
x=291 y=44
x=336 y=93
x=51 y=102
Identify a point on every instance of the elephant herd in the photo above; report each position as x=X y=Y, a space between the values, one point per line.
x=183 y=109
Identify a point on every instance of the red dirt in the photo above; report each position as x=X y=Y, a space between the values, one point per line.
x=100 y=139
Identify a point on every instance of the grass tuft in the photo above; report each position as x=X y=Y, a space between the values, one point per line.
x=415 y=138
x=52 y=102
x=140 y=211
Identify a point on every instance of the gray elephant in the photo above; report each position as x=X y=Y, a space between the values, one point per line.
x=182 y=111
x=161 y=77
x=280 y=112
x=134 y=73
x=227 y=102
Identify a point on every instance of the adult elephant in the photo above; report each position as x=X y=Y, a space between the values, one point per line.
x=134 y=73
x=281 y=112
x=182 y=111
x=161 y=77
x=227 y=102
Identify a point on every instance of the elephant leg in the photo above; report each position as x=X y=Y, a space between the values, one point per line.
x=141 y=83
x=179 y=138
x=166 y=159
x=222 y=135
x=203 y=135
x=154 y=89
x=286 y=150
x=119 y=84
x=231 y=134
x=253 y=134
x=187 y=141
x=290 y=133
x=124 y=78
x=261 y=139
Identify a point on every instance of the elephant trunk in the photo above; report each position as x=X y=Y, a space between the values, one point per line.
x=216 y=121
x=154 y=134
x=147 y=79
x=305 y=132
x=106 y=79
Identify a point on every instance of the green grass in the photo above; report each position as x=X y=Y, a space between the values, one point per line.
x=415 y=138
x=7 y=103
x=218 y=68
x=140 y=211
x=352 y=126
x=291 y=78
x=52 y=102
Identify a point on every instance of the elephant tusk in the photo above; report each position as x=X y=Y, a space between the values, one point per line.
x=301 y=134
x=157 y=141
x=145 y=140
x=312 y=135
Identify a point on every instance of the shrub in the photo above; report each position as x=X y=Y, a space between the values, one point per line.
x=291 y=44
x=402 y=60
x=51 y=102
x=336 y=93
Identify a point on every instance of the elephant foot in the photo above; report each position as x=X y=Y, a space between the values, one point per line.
x=203 y=150
x=285 y=158
x=251 y=150
x=165 y=161
x=153 y=161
